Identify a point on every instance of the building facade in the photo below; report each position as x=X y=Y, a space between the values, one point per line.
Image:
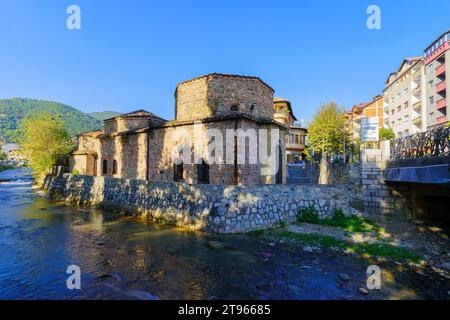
x=296 y=138
x=372 y=108
x=404 y=105
x=141 y=145
x=437 y=64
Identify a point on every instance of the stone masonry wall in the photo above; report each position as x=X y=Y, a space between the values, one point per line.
x=223 y=209
x=214 y=95
x=379 y=197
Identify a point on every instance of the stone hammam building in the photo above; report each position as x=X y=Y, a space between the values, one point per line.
x=140 y=145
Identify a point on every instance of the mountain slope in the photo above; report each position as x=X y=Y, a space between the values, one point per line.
x=102 y=115
x=13 y=110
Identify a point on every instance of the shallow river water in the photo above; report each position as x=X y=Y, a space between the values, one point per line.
x=124 y=258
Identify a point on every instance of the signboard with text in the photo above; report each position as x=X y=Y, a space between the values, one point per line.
x=370 y=129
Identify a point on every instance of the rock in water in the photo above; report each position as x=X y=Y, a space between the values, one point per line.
x=363 y=291
x=214 y=245
x=141 y=295
x=344 y=277
x=308 y=249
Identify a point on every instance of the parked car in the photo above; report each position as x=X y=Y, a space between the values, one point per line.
x=297 y=164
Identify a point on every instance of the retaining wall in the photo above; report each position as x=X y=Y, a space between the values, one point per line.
x=223 y=209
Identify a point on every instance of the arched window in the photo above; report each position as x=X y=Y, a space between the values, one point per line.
x=105 y=167
x=203 y=173
x=178 y=172
x=114 y=167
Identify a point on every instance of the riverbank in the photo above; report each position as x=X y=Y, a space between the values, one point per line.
x=122 y=257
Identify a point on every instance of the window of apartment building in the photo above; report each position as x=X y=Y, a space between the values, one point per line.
x=302 y=139
x=430 y=69
x=296 y=139
x=291 y=138
x=431 y=100
x=406 y=119
x=203 y=172
x=399 y=108
x=430 y=84
x=405 y=105
x=392 y=112
x=392 y=124
x=405 y=91
x=178 y=170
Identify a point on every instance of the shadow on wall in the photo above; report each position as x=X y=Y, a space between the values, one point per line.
x=327 y=173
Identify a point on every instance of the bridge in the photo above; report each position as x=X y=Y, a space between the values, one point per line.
x=409 y=174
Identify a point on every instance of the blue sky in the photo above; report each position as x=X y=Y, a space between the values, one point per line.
x=131 y=54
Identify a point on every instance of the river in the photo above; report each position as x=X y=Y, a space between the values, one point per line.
x=121 y=257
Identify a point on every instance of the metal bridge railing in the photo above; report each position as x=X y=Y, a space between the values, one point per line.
x=429 y=144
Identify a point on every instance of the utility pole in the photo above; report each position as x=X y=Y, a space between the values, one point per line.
x=343 y=133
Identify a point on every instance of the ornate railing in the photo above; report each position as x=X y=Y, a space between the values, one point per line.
x=433 y=143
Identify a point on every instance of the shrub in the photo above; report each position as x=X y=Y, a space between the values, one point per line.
x=308 y=215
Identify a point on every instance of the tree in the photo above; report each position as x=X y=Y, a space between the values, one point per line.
x=386 y=134
x=43 y=140
x=326 y=131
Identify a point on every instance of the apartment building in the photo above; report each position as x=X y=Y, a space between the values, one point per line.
x=296 y=139
x=404 y=105
x=437 y=64
x=372 y=108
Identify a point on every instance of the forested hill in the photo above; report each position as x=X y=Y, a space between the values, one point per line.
x=12 y=110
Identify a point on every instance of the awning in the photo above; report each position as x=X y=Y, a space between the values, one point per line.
x=435 y=174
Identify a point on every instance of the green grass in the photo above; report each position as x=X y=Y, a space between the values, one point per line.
x=380 y=250
x=351 y=223
x=3 y=168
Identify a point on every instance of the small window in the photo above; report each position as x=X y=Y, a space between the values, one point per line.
x=252 y=108
x=178 y=172
x=234 y=107
x=203 y=173
x=105 y=167
x=114 y=171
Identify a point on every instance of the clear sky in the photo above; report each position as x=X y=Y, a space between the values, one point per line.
x=131 y=54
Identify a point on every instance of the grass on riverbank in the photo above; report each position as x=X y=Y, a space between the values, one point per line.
x=351 y=223
x=3 y=168
x=366 y=249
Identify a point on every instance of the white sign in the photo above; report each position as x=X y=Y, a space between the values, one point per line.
x=370 y=129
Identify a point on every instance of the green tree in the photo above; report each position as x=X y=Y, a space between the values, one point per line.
x=43 y=140
x=326 y=130
x=386 y=134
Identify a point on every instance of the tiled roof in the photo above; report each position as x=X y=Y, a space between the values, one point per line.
x=227 y=76
x=137 y=114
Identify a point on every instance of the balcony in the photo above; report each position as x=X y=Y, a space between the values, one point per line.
x=441 y=104
x=440 y=70
x=417 y=105
x=441 y=120
x=440 y=87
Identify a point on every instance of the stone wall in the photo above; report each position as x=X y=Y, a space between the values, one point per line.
x=216 y=94
x=223 y=209
x=334 y=173
x=378 y=196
